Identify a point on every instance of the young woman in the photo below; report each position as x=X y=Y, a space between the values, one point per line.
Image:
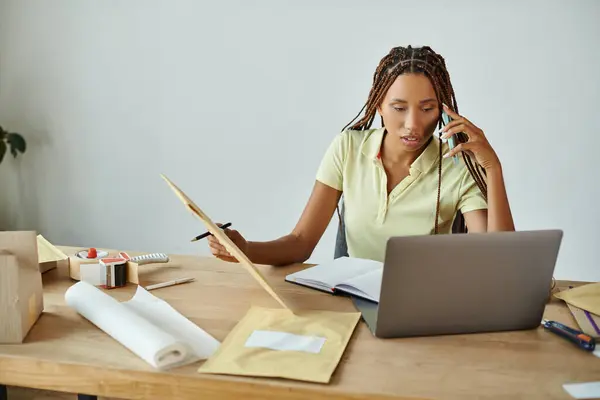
x=399 y=179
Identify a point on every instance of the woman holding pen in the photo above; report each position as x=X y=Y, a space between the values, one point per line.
x=400 y=179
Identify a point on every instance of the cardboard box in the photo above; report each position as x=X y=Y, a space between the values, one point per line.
x=49 y=256
x=21 y=296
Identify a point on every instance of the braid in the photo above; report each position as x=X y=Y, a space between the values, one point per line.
x=422 y=60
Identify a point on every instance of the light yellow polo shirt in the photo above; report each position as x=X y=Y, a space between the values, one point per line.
x=351 y=165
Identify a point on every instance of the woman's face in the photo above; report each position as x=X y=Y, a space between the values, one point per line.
x=410 y=111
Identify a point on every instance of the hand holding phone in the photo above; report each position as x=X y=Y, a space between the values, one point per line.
x=476 y=145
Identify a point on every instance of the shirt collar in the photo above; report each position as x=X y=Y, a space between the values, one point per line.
x=371 y=148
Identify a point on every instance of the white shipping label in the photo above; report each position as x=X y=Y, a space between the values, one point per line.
x=285 y=341
x=94 y=274
x=588 y=390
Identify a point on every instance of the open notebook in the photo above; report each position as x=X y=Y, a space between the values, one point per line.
x=356 y=276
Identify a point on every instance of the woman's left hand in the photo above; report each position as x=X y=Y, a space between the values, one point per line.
x=477 y=144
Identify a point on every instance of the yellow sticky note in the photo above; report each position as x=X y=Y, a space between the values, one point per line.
x=305 y=345
x=586 y=297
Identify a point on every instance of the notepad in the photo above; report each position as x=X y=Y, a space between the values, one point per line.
x=356 y=276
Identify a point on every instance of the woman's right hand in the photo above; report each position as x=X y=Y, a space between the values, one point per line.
x=219 y=251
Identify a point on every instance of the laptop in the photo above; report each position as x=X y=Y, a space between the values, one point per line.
x=463 y=283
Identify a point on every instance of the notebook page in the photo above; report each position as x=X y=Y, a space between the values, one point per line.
x=366 y=285
x=336 y=271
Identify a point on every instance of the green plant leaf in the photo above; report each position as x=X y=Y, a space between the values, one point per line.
x=2 y=149
x=2 y=133
x=17 y=143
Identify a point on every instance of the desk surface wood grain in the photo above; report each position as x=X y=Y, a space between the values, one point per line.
x=65 y=352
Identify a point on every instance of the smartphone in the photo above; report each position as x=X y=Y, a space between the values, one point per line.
x=452 y=139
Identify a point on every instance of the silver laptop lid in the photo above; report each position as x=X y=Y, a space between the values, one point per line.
x=466 y=283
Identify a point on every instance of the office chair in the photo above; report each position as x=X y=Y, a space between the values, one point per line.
x=341 y=247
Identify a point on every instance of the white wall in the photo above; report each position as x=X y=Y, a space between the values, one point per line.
x=236 y=102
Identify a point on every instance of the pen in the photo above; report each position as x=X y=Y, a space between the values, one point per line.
x=582 y=340
x=169 y=283
x=227 y=225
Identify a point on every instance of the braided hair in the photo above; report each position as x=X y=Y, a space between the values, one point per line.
x=425 y=61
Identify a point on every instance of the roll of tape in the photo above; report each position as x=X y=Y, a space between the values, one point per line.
x=79 y=258
x=99 y=254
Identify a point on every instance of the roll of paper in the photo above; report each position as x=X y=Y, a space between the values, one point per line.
x=145 y=324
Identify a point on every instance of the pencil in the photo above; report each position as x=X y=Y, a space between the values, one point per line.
x=199 y=237
x=169 y=283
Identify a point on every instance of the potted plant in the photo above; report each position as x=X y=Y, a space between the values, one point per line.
x=15 y=143
x=11 y=141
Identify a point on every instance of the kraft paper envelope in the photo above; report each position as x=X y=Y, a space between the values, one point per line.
x=301 y=344
x=588 y=322
x=305 y=345
x=586 y=297
x=224 y=239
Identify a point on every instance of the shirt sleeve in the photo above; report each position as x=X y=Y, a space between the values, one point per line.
x=471 y=197
x=331 y=169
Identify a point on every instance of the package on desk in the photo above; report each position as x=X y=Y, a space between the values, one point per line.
x=584 y=303
x=586 y=297
x=305 y=345
x=21 y=296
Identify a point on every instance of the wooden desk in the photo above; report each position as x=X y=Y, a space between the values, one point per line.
x=64 y=352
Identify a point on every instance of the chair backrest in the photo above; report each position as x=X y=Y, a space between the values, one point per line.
x=341 y=247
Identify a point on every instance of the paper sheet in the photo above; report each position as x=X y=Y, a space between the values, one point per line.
x=326 y=331
x=586 y=297
x=366 y=285
x=145 y=324
x=587 y=390
x=48 y=252
x=224 y=239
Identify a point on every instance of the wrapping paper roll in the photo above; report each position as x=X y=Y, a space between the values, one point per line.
x=146 y=325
